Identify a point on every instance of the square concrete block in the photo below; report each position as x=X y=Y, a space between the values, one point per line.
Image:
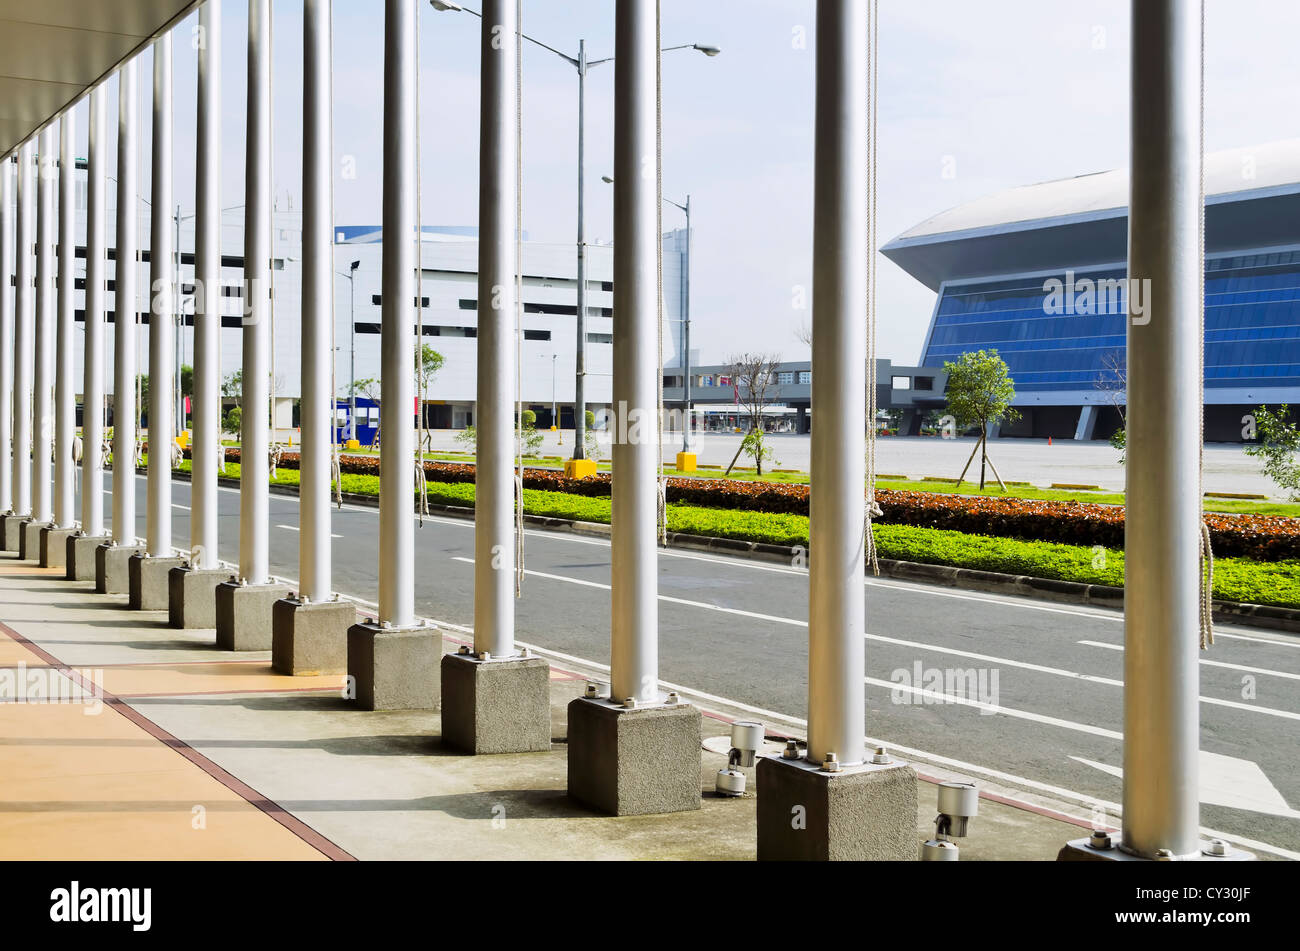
x=192 y=595
x=13 y=532
x=309 y=639
x=29 y=541
x=147 y=582
x=395 y=668
x=861 y=814
x=634 y=762
x=54 y=546
x=111 y=562
x=244 y=615
x=80 y=556
x=496 y=706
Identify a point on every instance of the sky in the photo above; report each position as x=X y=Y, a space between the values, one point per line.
x=973 y=98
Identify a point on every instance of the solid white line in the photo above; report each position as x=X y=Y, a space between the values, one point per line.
x=663 y=597
x=1208 y=663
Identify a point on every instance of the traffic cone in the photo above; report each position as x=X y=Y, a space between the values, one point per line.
x=1049 y=440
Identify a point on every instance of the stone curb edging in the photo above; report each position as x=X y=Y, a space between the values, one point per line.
x=969 y=579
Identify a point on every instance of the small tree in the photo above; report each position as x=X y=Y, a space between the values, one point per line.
x=754 y=377
x=590 y=442
x=530 y=437
x=1113 y=382
x=980 y=394
x=232 y=386
x=232 y=421
x=1277 y=442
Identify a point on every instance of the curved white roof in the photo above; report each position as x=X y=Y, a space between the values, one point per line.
x=1234 y=170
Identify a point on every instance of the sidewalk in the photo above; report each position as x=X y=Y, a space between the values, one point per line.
x=196 y=753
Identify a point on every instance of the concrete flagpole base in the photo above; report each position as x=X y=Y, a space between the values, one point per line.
x=244 y=614
x=54 y=546
x=29 y=539
x=863 y=813
x=310 y=638
x=11 y=530
x=496 y=705
x=392 y=668
x=192 y=596
x=146 y=576
x=111 y=576
x=80 y=556
x=634 y=761
x=1104 y=847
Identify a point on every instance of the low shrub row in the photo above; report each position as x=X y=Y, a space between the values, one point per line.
x=1264 y=538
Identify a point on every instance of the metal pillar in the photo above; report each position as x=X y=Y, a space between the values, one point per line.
x=42 y=387
x=580 y=376
x=92 y=413
x=158 y=523
x=1161 y=603
x=124 y=313
x=24 y=318
x=65 y=387
x=634 y=650
x=6 y=333
x=207 y=450
x=836 y=618
x=397 y=350
x=255 y=426
x=494 y=532
x=317 y=305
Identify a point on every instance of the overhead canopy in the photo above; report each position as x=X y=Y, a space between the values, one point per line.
x=53 y=51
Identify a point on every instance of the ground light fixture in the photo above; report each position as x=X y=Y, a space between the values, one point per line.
x=746 y=741
x=958 y=804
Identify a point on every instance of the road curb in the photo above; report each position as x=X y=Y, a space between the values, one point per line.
x=967 y=579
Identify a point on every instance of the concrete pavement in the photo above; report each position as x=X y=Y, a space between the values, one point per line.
x=171 y=749
x=734 y=629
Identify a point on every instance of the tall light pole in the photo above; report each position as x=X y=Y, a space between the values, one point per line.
x=581 y=64
x=351 y=275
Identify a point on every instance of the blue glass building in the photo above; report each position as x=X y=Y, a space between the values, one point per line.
x=1038 y=273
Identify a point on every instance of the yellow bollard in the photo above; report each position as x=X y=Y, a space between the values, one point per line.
x=686 y=462
x=579 y=468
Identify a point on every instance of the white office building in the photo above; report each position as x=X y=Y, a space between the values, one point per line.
x=448 y=299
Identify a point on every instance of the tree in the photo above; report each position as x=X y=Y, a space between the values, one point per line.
x=427 y=369
x=753 y=375
x=232 y=387
x=1113 y=382
x=1277 y=443
x=187 y=380
x=370 y=389
x=980 y=394
x=233 y=420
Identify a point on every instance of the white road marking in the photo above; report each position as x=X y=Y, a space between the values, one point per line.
x=295 y=528
x=1073 y=675
x=1208 y=663
x=1227 y=781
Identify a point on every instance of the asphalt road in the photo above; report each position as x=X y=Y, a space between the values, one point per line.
x=1045 y=712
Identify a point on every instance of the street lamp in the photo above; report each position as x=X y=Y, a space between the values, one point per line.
x=351 y=274
x=686 y=316
x=581 y=64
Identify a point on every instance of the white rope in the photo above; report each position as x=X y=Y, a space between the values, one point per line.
x=661 y=485
x=872 y=507
x=1207 y=553
x=519 y=297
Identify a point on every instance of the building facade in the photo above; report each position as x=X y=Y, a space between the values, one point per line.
x=1039 y=274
